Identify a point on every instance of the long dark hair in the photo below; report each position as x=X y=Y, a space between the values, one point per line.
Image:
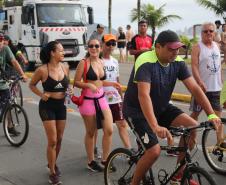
x=45 y=54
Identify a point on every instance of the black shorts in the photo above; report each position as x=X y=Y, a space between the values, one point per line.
x=52 y=109
x=214 y=99
x=116 y=110
x=144 y=131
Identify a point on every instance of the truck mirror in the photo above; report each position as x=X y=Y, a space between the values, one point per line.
x=90 y=13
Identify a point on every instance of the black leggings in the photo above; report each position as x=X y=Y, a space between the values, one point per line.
x=52 y=109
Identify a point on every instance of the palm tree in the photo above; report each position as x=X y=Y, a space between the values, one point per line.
x=155 y=17
x=138 y=10
x=109 y=15
x=218 y=6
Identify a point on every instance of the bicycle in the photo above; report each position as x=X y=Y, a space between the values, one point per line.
x=14 y=116
x=214 y=154
x=125 y=162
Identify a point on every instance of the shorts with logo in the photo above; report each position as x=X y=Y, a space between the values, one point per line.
x=144 y=131
x=52 y=109
x=116 y=110
x=213 y=97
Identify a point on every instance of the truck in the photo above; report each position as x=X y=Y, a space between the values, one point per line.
x=37 y=22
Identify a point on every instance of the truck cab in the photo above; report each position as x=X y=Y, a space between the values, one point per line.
x=38 y=22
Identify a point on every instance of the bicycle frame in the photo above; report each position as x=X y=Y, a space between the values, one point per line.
x=185 y=163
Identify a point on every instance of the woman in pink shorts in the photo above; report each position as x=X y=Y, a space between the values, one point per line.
x=95 y=110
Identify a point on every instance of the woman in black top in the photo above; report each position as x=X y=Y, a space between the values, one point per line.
x=54 y=78
x=121 y=43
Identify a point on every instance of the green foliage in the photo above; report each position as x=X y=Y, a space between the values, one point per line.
x=218 y=6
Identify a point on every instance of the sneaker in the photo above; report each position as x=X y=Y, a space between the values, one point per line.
x=57 y=170
x=54 y=179
x=95 y=166
x=176 y=180
x=97 y=154
x=112 y=167
x=13 y=131
x=172 y=153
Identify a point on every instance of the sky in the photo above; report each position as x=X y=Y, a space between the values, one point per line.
x=190 y=11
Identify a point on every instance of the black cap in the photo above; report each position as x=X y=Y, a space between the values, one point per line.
x=218 y=22
x=170 y=38
x=100 y=26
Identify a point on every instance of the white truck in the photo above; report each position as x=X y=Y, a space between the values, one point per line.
x=37 y=22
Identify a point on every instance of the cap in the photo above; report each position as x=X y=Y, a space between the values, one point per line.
x=108 y=37
x=6 y=37
x=170 y=38
x=218 y=22
x=100 y=26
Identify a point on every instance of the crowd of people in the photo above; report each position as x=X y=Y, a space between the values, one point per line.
x=146 y=103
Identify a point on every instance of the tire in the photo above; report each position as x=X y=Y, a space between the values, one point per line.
x=197 y=174
x=121 y=159
x=18 y=94
x=16 y=115
x=215 y=157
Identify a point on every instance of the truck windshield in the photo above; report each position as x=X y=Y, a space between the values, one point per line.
x=60 y=15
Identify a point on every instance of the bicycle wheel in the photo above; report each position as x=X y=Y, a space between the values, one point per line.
x=18 y=94
x=198 y=175
x=15 y=118
x=125 y=166
x=215 y=156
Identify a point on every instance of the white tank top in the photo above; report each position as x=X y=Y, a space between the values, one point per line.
x=210 y=67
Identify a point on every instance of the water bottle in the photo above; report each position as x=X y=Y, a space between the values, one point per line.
x=67 y=97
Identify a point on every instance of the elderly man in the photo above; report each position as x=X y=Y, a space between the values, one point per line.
x=146 y=101
x=206 y=69
x=98 y=34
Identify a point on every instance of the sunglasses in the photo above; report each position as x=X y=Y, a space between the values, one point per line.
x=208 y=31
x=110 y=44
x=94 y=46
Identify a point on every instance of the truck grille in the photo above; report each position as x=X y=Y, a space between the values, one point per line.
x=71 y=47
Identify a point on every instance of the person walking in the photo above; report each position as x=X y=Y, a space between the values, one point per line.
x=223 y=41
x=53 y=75
x=142 y=41
x=114 y=96
x=146 y=101
x=121 y=43
x=95 y=110
x=7 y=58
x=207 y=71
x=217 y=36
x=98 y=34
x=129 y=36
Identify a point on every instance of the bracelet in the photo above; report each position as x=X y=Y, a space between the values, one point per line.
x=212 y=116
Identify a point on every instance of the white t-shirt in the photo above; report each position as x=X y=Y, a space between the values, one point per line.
x=111 y=68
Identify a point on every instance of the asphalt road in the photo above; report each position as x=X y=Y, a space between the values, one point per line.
x=26 y=165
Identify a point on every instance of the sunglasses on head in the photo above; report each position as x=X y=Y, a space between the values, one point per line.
x=94 y=46
x=208 y=31
x=111 y=43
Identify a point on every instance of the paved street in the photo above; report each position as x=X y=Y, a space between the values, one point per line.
x=27 y=165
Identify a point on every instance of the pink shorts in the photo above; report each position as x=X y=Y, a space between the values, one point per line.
x=88 y=107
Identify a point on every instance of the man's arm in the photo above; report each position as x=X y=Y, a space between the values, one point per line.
x=195 y=66
x=147 y=109
x=18 y=68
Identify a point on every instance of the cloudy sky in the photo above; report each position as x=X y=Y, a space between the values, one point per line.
x=189 y=10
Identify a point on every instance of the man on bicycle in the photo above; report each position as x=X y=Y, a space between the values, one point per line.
x=6 y=57
x=146 y=101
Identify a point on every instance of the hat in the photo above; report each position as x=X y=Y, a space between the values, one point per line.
x=6 y=37
x=108 y=37
x=170 y=38
x=100 y=26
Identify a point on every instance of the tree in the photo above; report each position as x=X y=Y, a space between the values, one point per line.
x=218 y=6
x=188 y=43
x=138 y=10
x=155 y=17
x=109 y=15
